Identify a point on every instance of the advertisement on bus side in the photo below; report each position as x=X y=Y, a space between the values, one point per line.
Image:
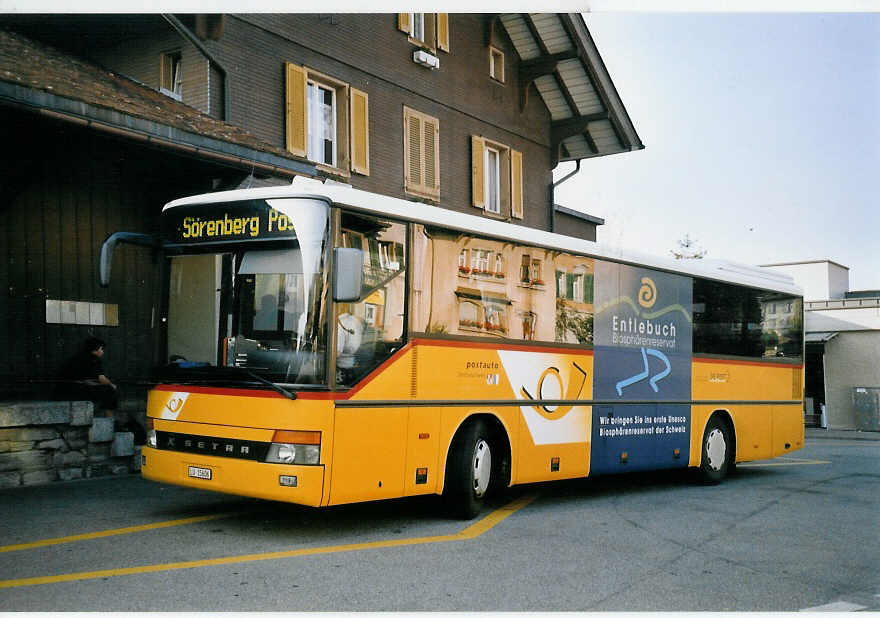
x=643 y=334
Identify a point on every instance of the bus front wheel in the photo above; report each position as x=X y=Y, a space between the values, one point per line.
x=468 y=471
x=717 y=451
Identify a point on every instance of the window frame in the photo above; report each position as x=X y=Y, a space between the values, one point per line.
x=509 y=178
x=350 y=121
x=496 y=59
x=492 y=205
x=171 y=73
x=314 y=88
x=417 y=26
x=433 y=34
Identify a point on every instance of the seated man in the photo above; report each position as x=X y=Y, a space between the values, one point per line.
x=84 y=379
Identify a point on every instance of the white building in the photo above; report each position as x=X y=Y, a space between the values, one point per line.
x=842 y=345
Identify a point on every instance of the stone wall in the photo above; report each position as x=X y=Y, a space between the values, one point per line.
x=46 y=441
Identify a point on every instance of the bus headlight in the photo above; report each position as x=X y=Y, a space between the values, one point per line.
x=295 y=447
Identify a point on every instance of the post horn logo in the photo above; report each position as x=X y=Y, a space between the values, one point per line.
x=647 y=293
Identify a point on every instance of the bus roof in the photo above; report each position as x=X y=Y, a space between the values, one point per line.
x=383 y=205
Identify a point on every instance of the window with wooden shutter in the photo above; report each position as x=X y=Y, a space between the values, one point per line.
x=478 y=174
x=496 y=178
x=360 y=133
x=403 y=22
x=327 y=121
x=427 y=30
x=516 y=184
x=443 y=31
x=297 y=129
x=421 y=154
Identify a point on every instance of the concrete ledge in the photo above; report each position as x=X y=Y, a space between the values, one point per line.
x=23 y=413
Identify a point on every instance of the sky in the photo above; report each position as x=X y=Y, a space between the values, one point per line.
x=761 y=129
x=761 y=134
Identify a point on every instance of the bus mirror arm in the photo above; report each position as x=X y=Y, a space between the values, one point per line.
x=132 y=238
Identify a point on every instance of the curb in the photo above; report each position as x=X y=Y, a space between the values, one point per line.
x=826 y=434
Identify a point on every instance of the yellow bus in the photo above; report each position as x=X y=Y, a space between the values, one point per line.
x=325 y=345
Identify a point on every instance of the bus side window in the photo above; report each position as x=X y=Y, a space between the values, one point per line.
x=371 y=329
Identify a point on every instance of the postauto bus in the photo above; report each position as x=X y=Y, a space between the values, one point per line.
x=327 y=345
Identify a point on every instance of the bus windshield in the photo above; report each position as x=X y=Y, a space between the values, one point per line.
x=250 y=310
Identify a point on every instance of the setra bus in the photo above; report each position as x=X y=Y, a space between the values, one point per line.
x=326 y=345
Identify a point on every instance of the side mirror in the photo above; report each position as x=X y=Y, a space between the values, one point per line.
x=348 y=274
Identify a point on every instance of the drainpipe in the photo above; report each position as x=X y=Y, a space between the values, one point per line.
x=553 y=193
x=192 y=38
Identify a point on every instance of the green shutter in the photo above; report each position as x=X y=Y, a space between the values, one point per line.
x=569 y=286
x=588 y=288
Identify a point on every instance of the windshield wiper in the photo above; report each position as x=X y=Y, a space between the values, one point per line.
x=275 y=387
x=199 y=376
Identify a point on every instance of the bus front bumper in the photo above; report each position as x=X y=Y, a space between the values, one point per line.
x=285 y=483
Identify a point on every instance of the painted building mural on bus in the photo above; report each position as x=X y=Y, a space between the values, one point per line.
x=468 y=285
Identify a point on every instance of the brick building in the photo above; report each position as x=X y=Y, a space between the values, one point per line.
x=107 y=117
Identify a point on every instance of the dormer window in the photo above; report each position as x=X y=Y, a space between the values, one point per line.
x=171 y=74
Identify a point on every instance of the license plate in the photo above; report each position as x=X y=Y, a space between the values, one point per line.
x=200 y=473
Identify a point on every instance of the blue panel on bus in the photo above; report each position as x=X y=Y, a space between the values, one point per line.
x=642 y=338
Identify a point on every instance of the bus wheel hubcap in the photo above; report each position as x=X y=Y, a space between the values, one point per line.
x=482 y=467
x=716 y=449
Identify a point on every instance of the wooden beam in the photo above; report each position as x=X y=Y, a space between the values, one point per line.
x=575 y=111
x=530 y=70
x=594 y=80
x=562 y=129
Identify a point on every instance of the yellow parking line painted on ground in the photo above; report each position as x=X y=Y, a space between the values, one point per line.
x=784 y=462
x=472 y=531
x=114 y=532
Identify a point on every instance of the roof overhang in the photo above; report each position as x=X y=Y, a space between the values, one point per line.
x=149 y=132
x=37 y=78
x=558 y=55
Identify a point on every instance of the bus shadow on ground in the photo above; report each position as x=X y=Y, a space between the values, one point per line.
x=402 y=516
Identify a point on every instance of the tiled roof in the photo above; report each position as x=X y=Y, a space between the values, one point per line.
x=44 y=69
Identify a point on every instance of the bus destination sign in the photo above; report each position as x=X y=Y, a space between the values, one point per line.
x=225 y=222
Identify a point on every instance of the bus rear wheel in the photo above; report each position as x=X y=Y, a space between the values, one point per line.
x=717 y=452
x=468 y=471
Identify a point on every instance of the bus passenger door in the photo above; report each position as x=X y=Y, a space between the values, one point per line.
x=369 y=446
